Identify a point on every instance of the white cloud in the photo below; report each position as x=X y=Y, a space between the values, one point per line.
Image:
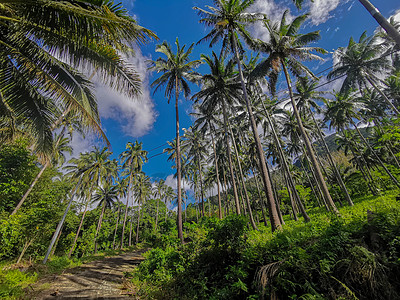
x=172 y=182
x=273 y=12
x=135 y=116
x=320 y=10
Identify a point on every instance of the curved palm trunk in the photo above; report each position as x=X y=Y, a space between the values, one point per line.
x=79 y=228
x=46 y=165
x=332 y=163
x=273 y=212
x=60 y=224
x=178 y=165
x=253 y=224
x=228 y=149
x=99 y=226
x=376 y=155
x=391 y=31
x=310 y=152
x=126 y=212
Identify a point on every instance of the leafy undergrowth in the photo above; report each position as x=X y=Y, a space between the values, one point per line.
x=16 y=279
x=354 y=256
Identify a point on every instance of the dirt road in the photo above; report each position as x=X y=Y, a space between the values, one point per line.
x=101 y=279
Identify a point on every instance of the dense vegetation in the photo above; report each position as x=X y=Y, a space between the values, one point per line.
x=278 y=209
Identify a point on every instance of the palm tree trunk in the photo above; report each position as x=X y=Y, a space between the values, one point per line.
x=80 y=226
x=126 y=211
x=26 y=246
x=99 y=226
x=261 y=199
x=372 y=82
x=310 y=152
x=201 y=189
x=138 y=223
x=253 y=224
x=46 y=165
x=286 y=168
x=217 y=173
x=158 y=206
x=376 y=155
x=273 y=212
x=391 y=31
x=228 y=149
x=60 y=224
x=333 y=165
x=178 y=165
x=116 y=225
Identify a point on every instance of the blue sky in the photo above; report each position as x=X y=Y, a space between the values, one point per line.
x=151 y=120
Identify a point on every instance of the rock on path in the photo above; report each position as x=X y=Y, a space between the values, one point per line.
x=100 y=279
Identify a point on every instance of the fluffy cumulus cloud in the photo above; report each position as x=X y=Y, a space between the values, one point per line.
x=172 y=182
x=273 y=11
x=320 y=10
x=135 y=116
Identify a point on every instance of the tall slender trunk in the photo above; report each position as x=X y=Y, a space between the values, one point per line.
x=310 y=152
x=253 y=224
x=391 y=31
x=126 y=210
x=228 y=149
x=260 y=198
x=291 y=184
x=158 y=207
x=273 y=212
x=226 y=195
x=130 y=228
x=60 y=224
x=80 y=226
x=201 y=188
x=376 y=155
x=116 y=225
x=138 y=223
x=292 y=204
x=178 y=165
x=217 y=173
x=26 y=246
x=99 y=226
x=332 y=163
x=46 y=165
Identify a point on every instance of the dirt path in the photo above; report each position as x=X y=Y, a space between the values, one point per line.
x=101 y=279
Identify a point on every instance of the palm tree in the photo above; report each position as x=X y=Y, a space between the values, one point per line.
x=45 y=47
x=90 y=167
x=361 y=63
x=220 y=89
x=142 y=188
x=306 y=96
x=227 y=20
x=159 y=194
x=286 y=49
x=342 y=111
x=176 y=70
x=105 y=196
x=132 y=160
x=56 y=158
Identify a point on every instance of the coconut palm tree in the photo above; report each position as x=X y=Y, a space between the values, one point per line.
x=306 y=97
x=287 y=49
x=177 y=70
x=228 y=20
x=45 y=47
x=342 y=111
x=143 y=189
x=159 y=194
x=105 y=196
x=132 y=160
x=362 y=63
x=220 y=89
